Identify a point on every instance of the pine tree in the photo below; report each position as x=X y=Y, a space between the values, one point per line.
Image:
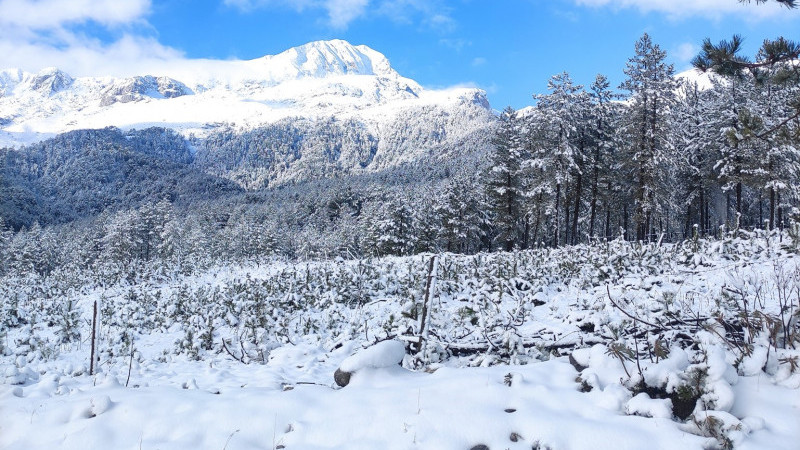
x=696 y=130
x=604 y=118
x=504 y=180
x=649 y=152
x=774 y=124
x=763 y=135
x=5 y=242
x=559 y=150
x=461 y=214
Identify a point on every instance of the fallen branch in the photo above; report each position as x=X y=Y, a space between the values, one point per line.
x=225 y=346
x=634 y=318
x=471 y=349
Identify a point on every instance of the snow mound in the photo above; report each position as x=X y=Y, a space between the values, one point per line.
x=383 y=354
x=643 y=405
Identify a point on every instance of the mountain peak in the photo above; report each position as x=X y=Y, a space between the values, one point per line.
x=51 y=80
x=320 y=59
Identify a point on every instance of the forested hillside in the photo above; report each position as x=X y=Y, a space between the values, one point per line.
x=672 y=159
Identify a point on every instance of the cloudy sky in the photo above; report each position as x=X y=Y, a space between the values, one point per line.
x=507 y=47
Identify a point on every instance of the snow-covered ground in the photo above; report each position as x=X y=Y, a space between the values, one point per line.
x=291 y=402
x=577 y=348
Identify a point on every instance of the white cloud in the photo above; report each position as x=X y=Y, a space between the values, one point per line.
x=41 y=33
x=687 y=8
x=432 y=13
x=342 y=12
x=249 y=5
x=126 y=56
x=43 y=14
x=478 y=61
x=441 y=22
x=455 y=44
x=685 y=52
x=35 y=34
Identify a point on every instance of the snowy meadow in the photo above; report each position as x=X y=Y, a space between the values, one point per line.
x=610 y=345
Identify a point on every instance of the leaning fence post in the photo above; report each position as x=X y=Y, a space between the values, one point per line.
x=94 y=333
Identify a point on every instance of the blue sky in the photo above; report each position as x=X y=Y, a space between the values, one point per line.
x=507 y=47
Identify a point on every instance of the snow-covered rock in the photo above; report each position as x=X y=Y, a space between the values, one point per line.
x=51 y=80
x=139 y=88
x=383 y=354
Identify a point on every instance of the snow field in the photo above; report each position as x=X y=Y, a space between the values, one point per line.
x=585 y=347
x=382 y=408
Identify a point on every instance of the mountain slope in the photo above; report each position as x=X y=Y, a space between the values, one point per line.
x=209 y=129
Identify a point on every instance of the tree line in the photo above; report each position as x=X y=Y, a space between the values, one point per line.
x=673 y=158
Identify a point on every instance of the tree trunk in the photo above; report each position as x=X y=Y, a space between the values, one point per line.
x=595 y=182
x=625 y=222
x=578 y=189
x=566 y=218
x=526 y=232
x=512 y=220
x=94 y=339
x=771 y=208
x=703 y=212
x=739 y=199
x=538 y=218
x=727 y=209
x=640 y=207
x=608 y=212
x=426 y=301
x=557 y=216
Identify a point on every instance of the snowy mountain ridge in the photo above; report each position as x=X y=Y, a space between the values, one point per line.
x=316 y=80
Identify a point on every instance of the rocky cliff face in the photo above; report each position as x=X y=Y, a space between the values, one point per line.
x=142 y=87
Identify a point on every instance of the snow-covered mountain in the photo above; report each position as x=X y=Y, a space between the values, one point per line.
x=704 y=80
x=318 y=80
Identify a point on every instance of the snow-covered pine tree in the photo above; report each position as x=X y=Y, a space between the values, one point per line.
x=503 y=185
x=648 y=155
x=696 y=130
x=461 y=213
x=389 y=227
x=559 y=150
x=762 y=139
x=5 y=240
x=604 y=119
x=774 y=125
x=120 y=243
